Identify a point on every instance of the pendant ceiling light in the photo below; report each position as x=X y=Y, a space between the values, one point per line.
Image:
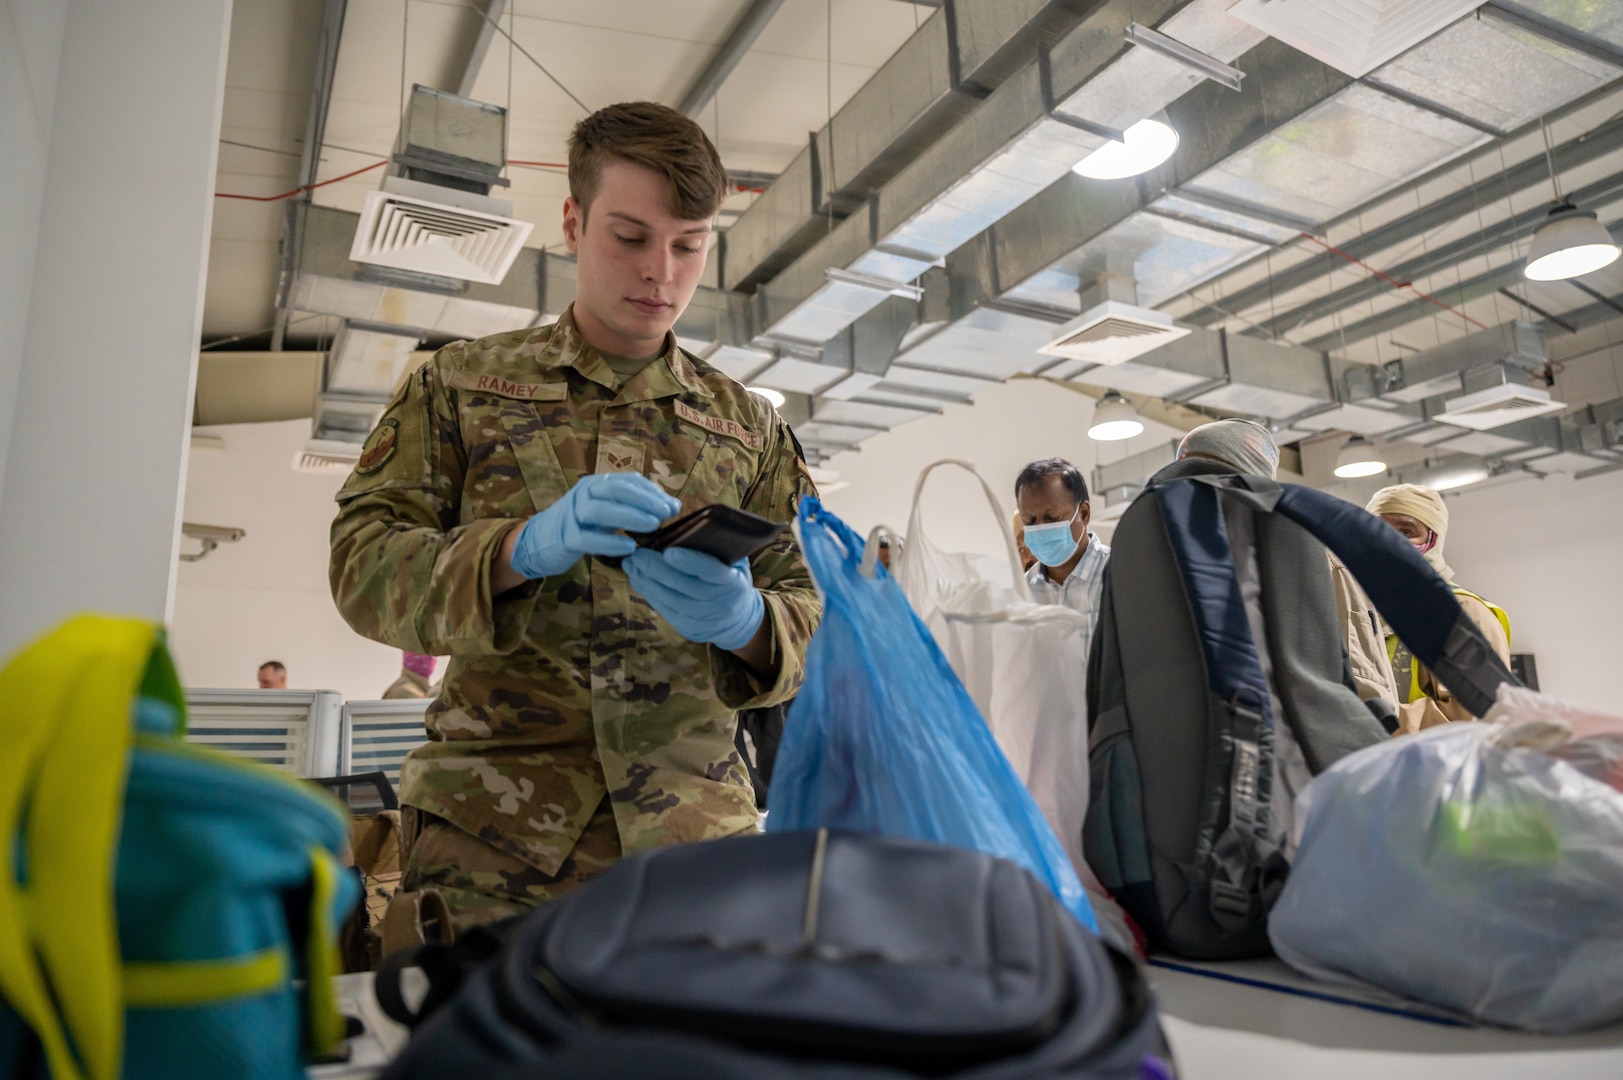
x=1148 y=143
x=1114 y=419
x=774 y=396
x=1358 y=458
x=1570 y=242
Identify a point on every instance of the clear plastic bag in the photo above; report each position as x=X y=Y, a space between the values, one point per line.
x=884 y=739
x=1475 y=866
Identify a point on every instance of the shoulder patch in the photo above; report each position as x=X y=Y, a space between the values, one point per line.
x=719 y=425
x=500 y=387
x=379 y=448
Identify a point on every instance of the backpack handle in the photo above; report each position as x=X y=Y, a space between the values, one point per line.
x=1415 y=601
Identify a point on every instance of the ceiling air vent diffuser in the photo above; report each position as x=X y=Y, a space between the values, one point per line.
x=436 y=238
x=1498 y=406
x=1355 y=36
x=326 y=456
x=1113 y=333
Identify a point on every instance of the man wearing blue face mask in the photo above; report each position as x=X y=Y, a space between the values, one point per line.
x=1052 y=498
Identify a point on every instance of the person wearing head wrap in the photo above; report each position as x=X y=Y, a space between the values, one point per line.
x=415 y=672
x=1249 y=447
x=1244 y=444
x=1027 y=559
x=1420 y=517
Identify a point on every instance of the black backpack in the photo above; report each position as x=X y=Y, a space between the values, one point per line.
x=1202 y=729
x=793 y=955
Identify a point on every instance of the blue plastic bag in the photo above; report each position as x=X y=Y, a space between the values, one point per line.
x=884 y=739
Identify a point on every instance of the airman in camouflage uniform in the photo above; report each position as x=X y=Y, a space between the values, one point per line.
x=581 y=717
x=571 y=688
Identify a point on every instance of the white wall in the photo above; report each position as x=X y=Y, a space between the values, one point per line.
x=266 y=596
x=1550 y=552
x=1008 y=426
x=103 y=399
x=30 y=51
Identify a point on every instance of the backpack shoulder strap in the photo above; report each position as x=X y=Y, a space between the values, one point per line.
x=1499 y=613
x=1198 y=537
x=1415 y=601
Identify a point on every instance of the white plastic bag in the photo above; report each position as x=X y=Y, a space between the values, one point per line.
x=1023 y=663
x=1476 y=866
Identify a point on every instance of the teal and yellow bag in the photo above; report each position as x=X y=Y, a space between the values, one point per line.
x=166 y=911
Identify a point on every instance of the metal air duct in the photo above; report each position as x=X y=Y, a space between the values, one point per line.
x=962 y=52
x=1030 y=132
x=434 y=214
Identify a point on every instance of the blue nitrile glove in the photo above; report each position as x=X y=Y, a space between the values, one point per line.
x=588 y=520
x=705 y=599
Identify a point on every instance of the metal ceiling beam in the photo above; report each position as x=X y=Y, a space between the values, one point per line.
x=732 y=50
x=1488 y=239
x=1463 y=119
x=492 y=15
x=1455 y=296
x=1552 y=31
x=315 y=130
x=1491 y=189
x=1538 y=311
x=1600 y=299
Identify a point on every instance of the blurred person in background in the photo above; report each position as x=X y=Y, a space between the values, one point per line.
x=272 y=675
x=416 y=677
x=1420 y=517
x=886 y=554
x=1027 y=559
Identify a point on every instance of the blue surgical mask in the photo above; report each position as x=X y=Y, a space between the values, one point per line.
x=1052 y=544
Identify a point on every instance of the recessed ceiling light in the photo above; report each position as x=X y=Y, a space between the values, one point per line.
x=1114 y=419
x=774 y=396
x=1149 y=142
x=1458 y=479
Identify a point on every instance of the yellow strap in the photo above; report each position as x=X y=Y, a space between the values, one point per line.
x=65 y=722
x=326 y=1022
x=1415 y=693
x=170 y=985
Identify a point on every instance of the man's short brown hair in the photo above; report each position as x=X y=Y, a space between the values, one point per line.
x=656 y=137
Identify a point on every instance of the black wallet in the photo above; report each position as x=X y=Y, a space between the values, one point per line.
x=722 y=532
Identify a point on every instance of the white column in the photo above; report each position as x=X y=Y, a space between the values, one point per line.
x=95 y=469
x=30 y=49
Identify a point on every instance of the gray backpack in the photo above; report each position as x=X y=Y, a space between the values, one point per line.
x=1218 y=686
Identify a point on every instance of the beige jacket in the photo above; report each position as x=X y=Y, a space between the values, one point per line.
x=1366 y=647
x=409 y=685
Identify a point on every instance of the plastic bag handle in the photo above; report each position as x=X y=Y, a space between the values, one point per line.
x=915 y=526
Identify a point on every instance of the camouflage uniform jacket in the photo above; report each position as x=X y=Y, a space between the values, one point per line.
x=571 y=686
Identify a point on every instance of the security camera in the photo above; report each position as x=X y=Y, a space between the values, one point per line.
x=210 y=536
x=220 y=534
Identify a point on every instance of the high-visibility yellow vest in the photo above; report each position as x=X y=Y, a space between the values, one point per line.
x=1394 y=646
